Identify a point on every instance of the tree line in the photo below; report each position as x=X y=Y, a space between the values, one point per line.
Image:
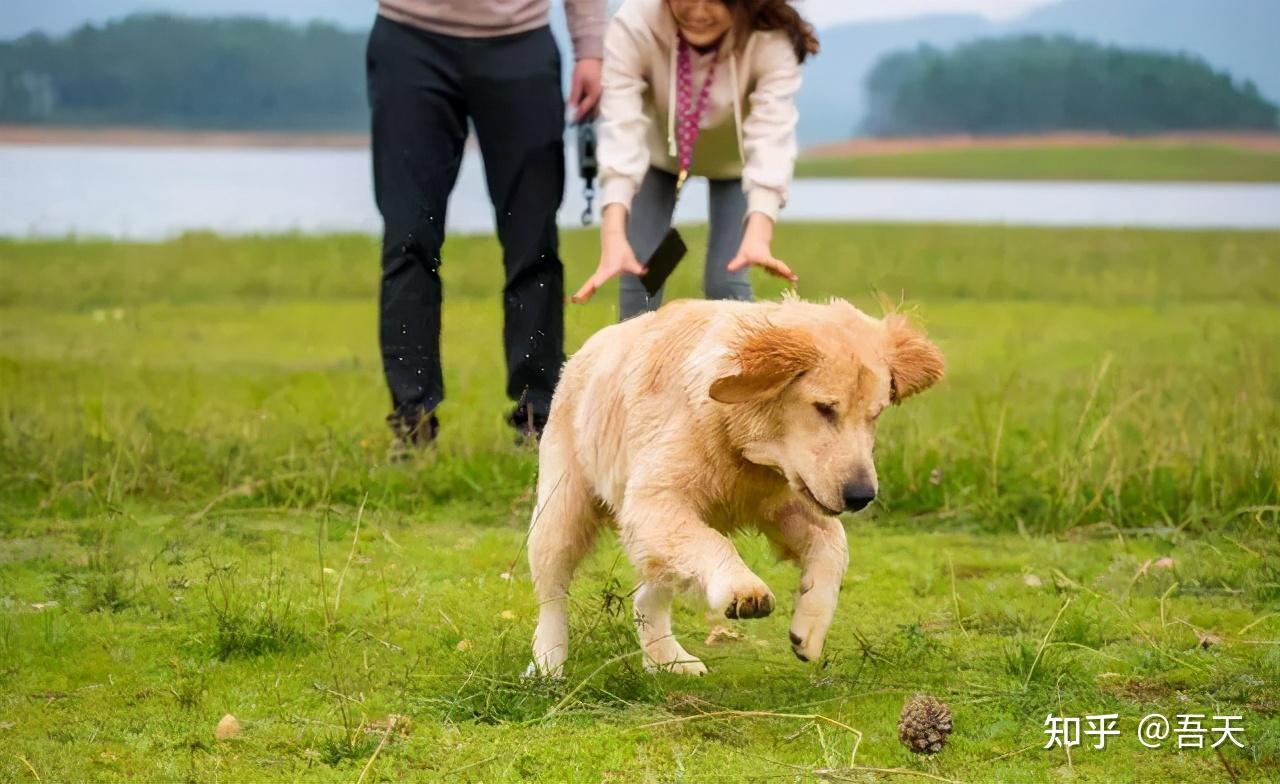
x=1031 y=84
x=247 y=73
x=169 y=71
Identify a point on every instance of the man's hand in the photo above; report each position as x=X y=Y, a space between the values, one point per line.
x=755 y=252
x=584 y=90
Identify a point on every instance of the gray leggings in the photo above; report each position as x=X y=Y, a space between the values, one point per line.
x=650 y=218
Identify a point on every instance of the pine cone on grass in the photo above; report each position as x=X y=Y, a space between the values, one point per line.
x=925 y=724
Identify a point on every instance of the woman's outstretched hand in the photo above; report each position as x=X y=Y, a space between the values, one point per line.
x=755 y=252
x=616 y=256
x=615 y=259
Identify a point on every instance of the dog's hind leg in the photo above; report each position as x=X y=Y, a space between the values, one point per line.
x=819 y=544
x=662 y=652
x=561 y=533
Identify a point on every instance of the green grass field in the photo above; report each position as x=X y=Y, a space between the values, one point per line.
x=1132 y=160
x=196 y=520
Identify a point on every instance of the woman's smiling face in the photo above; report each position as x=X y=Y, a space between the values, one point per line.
x=702 y=22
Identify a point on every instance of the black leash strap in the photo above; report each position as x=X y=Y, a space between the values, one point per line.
x=588 y=167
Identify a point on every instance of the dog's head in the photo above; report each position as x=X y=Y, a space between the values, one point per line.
x=806 y=387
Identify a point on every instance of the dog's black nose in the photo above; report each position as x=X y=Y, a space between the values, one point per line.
x=857 y=495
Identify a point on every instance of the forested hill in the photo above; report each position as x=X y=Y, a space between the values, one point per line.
x=1237 y=36
x=253 y=74
x=216 y=73
x=1031 y=84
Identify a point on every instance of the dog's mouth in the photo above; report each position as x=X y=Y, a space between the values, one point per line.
x=807 y=493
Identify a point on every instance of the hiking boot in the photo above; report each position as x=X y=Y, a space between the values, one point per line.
x=528 y=423
x=411 y=431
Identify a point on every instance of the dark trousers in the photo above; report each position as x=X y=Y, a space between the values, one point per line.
x=423 y=87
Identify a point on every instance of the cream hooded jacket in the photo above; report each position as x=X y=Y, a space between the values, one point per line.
x=748 y=130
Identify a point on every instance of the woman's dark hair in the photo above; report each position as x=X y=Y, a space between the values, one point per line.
x=753 y=15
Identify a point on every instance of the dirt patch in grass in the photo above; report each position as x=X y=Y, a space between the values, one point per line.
x=1140 y=690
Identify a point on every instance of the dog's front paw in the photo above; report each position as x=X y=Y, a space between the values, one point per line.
x=689 y=665
x=807 y=639
x=750 y=606
x=746 y=597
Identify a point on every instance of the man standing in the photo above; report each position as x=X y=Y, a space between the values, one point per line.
x=432 y=66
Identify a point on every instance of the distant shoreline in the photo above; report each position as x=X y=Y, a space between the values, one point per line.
x=57 y=136
x=122 y=136
x=1261 y=141
x=1223 y=156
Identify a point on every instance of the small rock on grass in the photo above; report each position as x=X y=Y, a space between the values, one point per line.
x=394 y=722
x=227 y=728
x=1208 y=639
x=723 y=634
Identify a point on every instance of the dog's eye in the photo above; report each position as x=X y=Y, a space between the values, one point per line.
x=826 y=411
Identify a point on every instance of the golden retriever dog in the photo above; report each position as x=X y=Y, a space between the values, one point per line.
x=703 y=418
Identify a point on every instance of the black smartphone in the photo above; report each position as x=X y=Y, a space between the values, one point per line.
x=663 y=262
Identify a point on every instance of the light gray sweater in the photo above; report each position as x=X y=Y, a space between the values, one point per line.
x=493 y=18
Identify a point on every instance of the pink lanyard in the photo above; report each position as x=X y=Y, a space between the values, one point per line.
x=688 y=114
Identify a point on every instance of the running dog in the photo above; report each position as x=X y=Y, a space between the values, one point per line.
x=684 y=425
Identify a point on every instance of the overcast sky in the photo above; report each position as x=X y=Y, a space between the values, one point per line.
x=59 y=16
x=827 y=12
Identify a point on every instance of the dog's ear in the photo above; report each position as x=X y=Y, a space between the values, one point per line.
x=915 y=363
x=767 y=359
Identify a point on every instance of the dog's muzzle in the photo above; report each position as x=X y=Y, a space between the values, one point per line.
x=857 y=495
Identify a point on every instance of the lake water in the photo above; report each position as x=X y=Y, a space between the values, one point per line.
x=151 y=193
